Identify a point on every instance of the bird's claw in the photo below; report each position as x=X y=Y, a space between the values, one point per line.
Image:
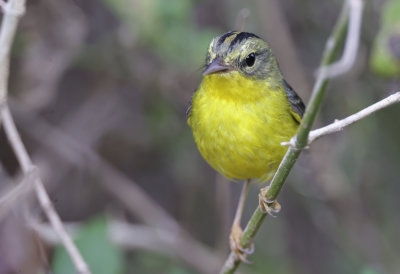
x=237 y=248
x=268 y=206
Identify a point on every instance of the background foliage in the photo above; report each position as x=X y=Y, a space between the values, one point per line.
x=117 y=76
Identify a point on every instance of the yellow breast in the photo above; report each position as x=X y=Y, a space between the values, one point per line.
x=239 y=123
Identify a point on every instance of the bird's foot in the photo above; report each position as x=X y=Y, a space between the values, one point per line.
x=234 y=242
x=268 y=206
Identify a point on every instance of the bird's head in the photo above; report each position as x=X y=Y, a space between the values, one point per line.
x=241 y=52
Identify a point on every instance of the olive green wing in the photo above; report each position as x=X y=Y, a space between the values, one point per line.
x=295 y=101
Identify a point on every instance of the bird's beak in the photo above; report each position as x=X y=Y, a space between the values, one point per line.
x=215 y=66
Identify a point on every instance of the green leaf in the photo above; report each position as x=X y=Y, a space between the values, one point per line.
x=385 y=59
x=93 y=242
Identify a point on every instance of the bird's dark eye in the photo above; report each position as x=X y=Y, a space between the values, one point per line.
x=250 y=59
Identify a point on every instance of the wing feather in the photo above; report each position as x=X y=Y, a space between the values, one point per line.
x=295 y=101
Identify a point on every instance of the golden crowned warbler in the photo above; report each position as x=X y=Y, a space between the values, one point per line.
x=241 y=112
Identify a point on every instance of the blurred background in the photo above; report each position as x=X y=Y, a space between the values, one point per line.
x=99 y=91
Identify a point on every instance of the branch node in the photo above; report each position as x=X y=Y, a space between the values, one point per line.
x=294 y=144
x=291 y=143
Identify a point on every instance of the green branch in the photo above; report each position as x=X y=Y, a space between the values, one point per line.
x=333 y=45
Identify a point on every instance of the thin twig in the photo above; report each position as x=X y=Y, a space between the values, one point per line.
x=44 y=200
x=12 y=10
x=338 y=125
x=352 y=41
x=12 y=196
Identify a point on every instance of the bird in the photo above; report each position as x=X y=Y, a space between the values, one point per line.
x=241 y=112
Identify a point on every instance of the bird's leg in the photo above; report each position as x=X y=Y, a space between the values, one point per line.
x=236 y=230
x=267 y=206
